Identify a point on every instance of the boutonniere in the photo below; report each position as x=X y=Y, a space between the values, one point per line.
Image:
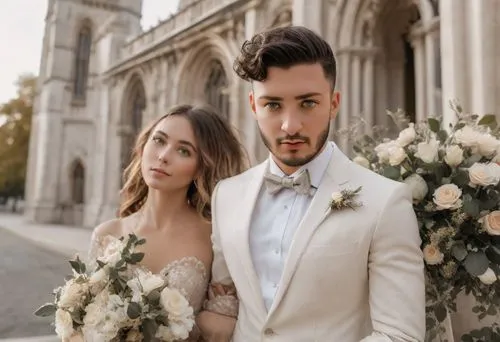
x=345 y=199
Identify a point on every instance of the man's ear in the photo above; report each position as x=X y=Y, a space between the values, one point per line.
x=334 y=105
x=251 y=98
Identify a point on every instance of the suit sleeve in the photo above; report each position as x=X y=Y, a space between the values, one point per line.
x=396 y=273
x=227 y=304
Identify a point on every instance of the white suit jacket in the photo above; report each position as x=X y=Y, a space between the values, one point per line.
x=350 y=276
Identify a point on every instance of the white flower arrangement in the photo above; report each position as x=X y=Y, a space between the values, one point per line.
x=454 y=177
x=119 y=300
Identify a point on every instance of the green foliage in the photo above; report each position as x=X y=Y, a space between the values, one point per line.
x=14 y=137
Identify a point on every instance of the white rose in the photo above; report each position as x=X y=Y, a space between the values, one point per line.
x=418 y=186
x=175 y=303
x=180 y=331
x=362 y=161
x=382 y=151
x=427 y=151
x=487 y=144
x=164 y=333
x=484 y=174
x=488 y=277
x=72 y=294
x=432 y=255
x=396 y=155
x=454 y=155
x=144 y=282
x=467 y=136
x=447 y=197
x=337 y=197
x=96 y=310
x=113 y=251
x=64 y=324
x=407 y=136
x=491 y=222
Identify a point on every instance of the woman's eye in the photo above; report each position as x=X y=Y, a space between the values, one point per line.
x=184 y=152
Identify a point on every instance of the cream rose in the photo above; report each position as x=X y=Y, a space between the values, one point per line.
x=487 y=145
x=396 y=155
x=447 y=197
x=72 y=294
x=428 y=151
x=418 y=187
x=491 y=222
x=144 y=282
x=337 y=197
x=64 y=324
x=484 y=174
x=488 y=277
x=134 y=335
x=467 y=136
x=180 y=331
x=362 y=161
x=432 y=255
x=113 y=251
x=407 y=136
x=175 y=303
x=383 y=150
x=454 y=155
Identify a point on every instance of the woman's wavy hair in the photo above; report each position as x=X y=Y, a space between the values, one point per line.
x=220 y=155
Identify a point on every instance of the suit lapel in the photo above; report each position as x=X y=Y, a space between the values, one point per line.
x=241 y=239
x=335 y=176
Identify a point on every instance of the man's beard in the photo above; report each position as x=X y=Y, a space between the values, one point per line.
x=296 y=161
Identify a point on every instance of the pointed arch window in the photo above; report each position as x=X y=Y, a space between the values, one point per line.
x=216 y=88
x=78 y=183
x=81 y=64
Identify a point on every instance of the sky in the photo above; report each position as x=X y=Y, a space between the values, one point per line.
x=21 y=34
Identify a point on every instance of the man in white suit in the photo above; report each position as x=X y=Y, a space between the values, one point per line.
x=303 y=269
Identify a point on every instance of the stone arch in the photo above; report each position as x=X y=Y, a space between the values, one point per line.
x=208 y=56
x=131 y=119
x=382 y=67
x=77 y=181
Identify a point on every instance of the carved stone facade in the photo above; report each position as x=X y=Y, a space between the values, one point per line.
x=411 y=54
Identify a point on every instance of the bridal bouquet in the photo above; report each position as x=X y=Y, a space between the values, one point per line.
x=454 y=175
x=118 y=300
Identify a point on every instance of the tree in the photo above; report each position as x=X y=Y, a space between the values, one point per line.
x=15 y=125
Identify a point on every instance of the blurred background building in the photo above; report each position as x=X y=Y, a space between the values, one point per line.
x=101 y=78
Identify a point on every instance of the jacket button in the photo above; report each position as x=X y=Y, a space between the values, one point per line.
x=269 y=332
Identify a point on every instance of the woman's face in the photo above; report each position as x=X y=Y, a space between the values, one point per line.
x=170 y=156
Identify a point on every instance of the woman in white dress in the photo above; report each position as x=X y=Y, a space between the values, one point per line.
x=176 y=163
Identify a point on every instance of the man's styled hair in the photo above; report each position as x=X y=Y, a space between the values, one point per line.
x=284 y=47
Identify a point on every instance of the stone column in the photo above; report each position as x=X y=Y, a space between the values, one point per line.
x=482 y=55
x=344 y=86
x=308 y=13
x=355 y=90
x=430 y=71
x=453 y=54
x=368 y=91
x=420 y=78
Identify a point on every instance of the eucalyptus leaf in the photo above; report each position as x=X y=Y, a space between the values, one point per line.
x=476 y=263
x=154 y=297
x=488 y=120
x=440 y=312
x=471 y=206
x=134 y=310
x=442 y=135
x=493 y=253
x=433 y=124
x=148 y=328
x=46 y=310
x=459 y=251
x=75 y=265
x=392 y=172
x=136 y=257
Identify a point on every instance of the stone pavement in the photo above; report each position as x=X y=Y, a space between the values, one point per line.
x=33 y=262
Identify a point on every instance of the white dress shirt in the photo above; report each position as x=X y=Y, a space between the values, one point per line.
x=275 y=220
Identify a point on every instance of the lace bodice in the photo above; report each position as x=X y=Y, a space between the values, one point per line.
x=188 y=274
